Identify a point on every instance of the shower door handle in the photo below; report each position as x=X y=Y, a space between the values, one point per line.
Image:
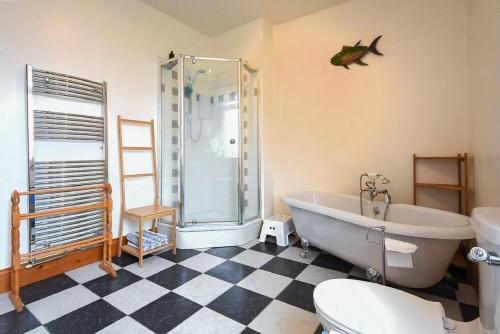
x=232 y=141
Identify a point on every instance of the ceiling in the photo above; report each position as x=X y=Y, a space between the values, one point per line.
x=213 y=17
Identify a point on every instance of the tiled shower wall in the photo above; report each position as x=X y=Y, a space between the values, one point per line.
x=169 y=136
x=250 y=102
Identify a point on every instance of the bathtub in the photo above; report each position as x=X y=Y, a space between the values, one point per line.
x=333 y=223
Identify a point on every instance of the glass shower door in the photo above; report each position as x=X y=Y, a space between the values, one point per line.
x=210 y=141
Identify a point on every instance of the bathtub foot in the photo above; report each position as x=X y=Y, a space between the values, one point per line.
x=305 y=247
x=373 y=276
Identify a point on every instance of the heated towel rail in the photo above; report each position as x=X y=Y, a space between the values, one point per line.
x=67 y=147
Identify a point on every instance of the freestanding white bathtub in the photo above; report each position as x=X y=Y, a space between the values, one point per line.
x=333 y=223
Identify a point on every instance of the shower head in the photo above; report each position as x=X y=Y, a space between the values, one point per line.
x=249 y=69
x=200 y=71
x=171 y=64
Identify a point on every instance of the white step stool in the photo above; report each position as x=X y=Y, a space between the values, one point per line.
x=279 y=226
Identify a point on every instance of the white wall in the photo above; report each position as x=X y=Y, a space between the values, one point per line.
x=484 y=99
x=119 y=41
x=332 y=124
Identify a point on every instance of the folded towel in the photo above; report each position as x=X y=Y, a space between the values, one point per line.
x=146 y=247
x=150 y=239
x=147 y=235
x=398 y=246
x=399 y=253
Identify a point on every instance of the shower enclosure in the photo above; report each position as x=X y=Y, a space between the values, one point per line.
x=209 y=140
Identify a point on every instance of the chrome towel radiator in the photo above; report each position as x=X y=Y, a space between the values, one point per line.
x=67 y=147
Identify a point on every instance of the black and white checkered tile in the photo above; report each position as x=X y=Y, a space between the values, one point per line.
x=255 y=288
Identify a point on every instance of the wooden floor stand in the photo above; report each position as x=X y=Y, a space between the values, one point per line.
x=34 y=258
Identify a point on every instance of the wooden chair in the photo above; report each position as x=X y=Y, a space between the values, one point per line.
x=141 y=215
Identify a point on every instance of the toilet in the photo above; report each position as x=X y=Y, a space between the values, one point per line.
x=351 y=306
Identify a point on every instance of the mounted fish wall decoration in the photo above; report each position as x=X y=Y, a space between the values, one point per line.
x=355 y=54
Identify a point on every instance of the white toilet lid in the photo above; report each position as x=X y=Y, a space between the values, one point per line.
x=368 y=308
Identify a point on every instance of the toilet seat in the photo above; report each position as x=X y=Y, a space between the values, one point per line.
x=351 y=306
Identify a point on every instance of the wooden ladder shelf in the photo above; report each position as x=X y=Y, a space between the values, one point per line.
x=141 y=215
x=462 y=176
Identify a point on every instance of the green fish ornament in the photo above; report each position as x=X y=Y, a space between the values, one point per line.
x=355 y=54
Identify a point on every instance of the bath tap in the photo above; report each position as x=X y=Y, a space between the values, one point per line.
x=373 y=192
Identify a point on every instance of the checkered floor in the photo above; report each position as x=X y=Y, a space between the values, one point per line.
x=255 y=288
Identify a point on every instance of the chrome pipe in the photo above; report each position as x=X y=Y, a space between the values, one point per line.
x=62 y=227
x=65 y=137
x=47 y=169
x=64 y=204
x=65 y=230
x=66 y=89
x=66 y=76
x=48 y=113
x=62 y=131
x=61 y=224
x=74 y=174
x=53 y=162
x=241 y=176
x=382 y=243
x=71 y=193
x=65 y=129
x=105 y=119
x=74 y=234
x=180 y=160
x=49 y=201
x=61 y=232
x=71 y=171
x=84 y=197
x=68 y=121
x=68 y=184
x=30 y=125
x=210 y=58
x=68 y=164
x=34 y=262
x=72 y=238
x=69 y=217
x=42 y=80
x=58 y=179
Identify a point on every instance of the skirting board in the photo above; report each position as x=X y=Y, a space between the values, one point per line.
x=69 y=262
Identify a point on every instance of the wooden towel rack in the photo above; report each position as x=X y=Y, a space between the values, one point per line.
x=143 y=214
x=27 y=260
